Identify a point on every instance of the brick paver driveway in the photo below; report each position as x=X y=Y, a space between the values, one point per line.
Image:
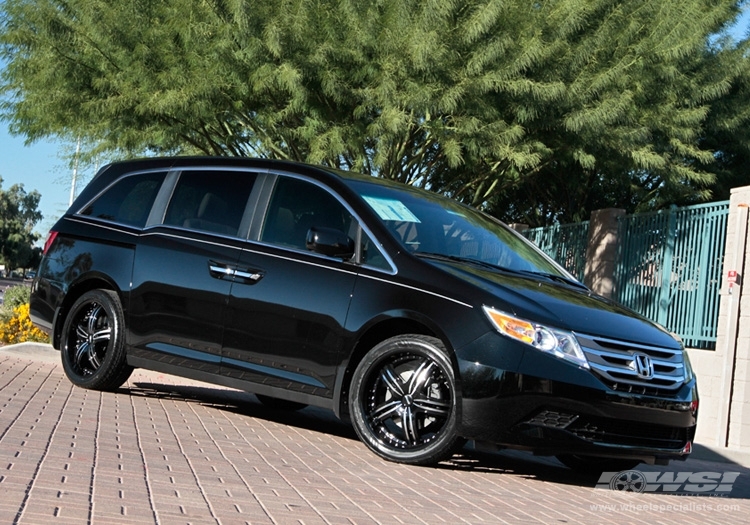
x=167 y=450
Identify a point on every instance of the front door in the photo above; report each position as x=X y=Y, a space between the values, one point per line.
x=285 y=318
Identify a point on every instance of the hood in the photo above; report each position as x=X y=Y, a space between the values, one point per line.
x=559 y=305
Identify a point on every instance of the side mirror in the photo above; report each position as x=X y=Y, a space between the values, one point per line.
x=330 y=242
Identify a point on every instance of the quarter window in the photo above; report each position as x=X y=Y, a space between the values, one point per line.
x=371 y=254
x=128 y=201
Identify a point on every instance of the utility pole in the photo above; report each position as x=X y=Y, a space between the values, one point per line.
x=75 y=172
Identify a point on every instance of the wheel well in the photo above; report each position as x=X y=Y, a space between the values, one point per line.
x=74 y=292
x=374 y=335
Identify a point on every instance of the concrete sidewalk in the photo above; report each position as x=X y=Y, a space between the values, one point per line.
x=168 y=450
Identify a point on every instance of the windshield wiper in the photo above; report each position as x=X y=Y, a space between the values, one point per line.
x=553 y=277
x=458 y=258
x=550 y=276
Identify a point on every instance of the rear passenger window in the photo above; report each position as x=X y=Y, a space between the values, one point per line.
x=128 y=201
x=210 y=200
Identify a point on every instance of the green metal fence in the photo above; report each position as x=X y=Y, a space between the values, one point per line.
x=669 y=268
x=565 y=243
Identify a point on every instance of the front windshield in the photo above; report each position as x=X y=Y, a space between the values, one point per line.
x=429 y=224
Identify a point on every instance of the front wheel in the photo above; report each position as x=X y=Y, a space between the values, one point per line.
x=93 y=342
x=403 y=400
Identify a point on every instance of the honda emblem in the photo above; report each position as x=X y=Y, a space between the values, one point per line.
x=644 y=366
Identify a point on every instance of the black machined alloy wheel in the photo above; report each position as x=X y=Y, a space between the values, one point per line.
x=403 y=400
x=93 y=349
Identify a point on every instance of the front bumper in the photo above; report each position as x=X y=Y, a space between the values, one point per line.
x=521 y=398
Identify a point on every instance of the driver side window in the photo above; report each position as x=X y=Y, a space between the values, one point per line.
x=298 y=205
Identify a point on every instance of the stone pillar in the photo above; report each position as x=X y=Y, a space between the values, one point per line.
x=724 y=374
x=519 y=227
x=601 y=253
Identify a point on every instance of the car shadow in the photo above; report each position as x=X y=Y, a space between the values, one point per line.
x=246 y=404
x=470 y=458
x=548 y=469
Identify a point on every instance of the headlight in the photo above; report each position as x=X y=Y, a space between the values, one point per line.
x=544 y=338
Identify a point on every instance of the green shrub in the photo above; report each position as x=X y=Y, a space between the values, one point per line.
x=16 y=296
x=15 y=324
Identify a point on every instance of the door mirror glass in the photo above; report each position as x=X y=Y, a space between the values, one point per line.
x=330 y=242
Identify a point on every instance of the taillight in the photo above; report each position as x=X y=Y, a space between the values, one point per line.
x=50 y=239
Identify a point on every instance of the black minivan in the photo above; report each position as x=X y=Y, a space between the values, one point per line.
x=424 y=322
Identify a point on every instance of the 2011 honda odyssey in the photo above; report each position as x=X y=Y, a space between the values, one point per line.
x=424 y=322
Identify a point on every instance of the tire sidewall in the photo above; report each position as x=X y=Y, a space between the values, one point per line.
x=429 y=347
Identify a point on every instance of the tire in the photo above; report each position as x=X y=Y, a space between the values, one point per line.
x=279 y=404
x=93 y=342
x=403 y=401
x=591 y=465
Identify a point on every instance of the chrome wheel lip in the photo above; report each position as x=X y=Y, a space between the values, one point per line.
x=408 y=401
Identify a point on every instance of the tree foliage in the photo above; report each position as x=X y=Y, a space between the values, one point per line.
x=19 y=214
x=727 y=133
x=533 y=110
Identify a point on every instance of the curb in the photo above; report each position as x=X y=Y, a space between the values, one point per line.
x=39 y=351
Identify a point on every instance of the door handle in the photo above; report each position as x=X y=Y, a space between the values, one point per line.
x=231 y=272
x=220 y=271
x=250 y=275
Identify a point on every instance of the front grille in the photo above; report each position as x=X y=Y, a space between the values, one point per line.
x=612 y=431
x=631 y=367
x=552 y=419
x=630 y=433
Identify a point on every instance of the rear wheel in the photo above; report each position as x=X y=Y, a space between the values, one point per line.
x=403 y=400
x=93 y=342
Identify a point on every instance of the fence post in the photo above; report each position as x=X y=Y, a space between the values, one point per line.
x=601 y=253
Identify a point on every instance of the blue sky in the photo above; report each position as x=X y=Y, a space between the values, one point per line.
x=43 y=166
x=38 y=167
